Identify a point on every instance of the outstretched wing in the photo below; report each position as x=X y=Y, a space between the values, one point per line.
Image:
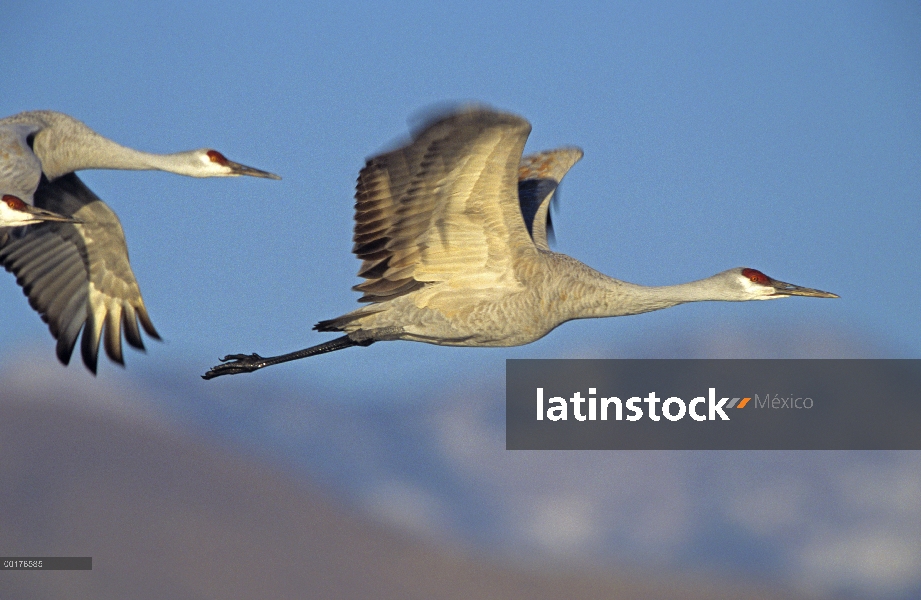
x=538 y=177
x=77 y=275
x=443 y=207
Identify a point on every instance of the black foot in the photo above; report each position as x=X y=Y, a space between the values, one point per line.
x=236 y=363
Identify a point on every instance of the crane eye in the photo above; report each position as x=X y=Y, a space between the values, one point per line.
x=756 y=276
x=217 y=157
x=14 y=202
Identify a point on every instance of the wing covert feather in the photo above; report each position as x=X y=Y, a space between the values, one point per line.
x=443 y=207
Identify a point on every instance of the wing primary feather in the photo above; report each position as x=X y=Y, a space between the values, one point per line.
x=89 y=343
x=72 y=316
x=67 y=340
x=112 y=333
x=130 y=326
x=146 y=323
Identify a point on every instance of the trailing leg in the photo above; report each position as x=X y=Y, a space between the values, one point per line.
x=247 y=363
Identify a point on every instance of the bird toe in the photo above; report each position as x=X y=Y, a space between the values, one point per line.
x=234 y=364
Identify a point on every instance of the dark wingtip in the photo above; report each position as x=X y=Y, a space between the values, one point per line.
x=64 y=358
x=131 y=330
x=89 y=350
x=147 y=324
x=65 y=346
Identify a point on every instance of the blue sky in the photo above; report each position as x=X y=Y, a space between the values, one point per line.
x=784 y=137
x=780 y=136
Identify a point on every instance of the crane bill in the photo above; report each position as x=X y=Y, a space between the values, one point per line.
x=239 y=169
x=788 y=289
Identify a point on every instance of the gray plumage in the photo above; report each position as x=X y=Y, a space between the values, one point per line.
x=77 y=274
x=20 y=168
x=442 y=229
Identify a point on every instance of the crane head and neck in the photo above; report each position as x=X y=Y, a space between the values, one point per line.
x=734 y=285
x=619 y=298
x=742 y=283
x=64 y=144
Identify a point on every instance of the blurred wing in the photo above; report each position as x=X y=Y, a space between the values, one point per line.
x=443 y=207
x=77 y=276
x=538 y=177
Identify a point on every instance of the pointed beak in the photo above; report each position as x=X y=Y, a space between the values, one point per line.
x=46 y=215
x=788 y=289
x=239 y=169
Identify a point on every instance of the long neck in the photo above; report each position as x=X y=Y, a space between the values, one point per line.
x=625 y=298
x=593 y=294
x=71 y=146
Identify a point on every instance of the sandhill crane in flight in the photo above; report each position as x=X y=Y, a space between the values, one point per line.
x=442 y=228
x=76 y=274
